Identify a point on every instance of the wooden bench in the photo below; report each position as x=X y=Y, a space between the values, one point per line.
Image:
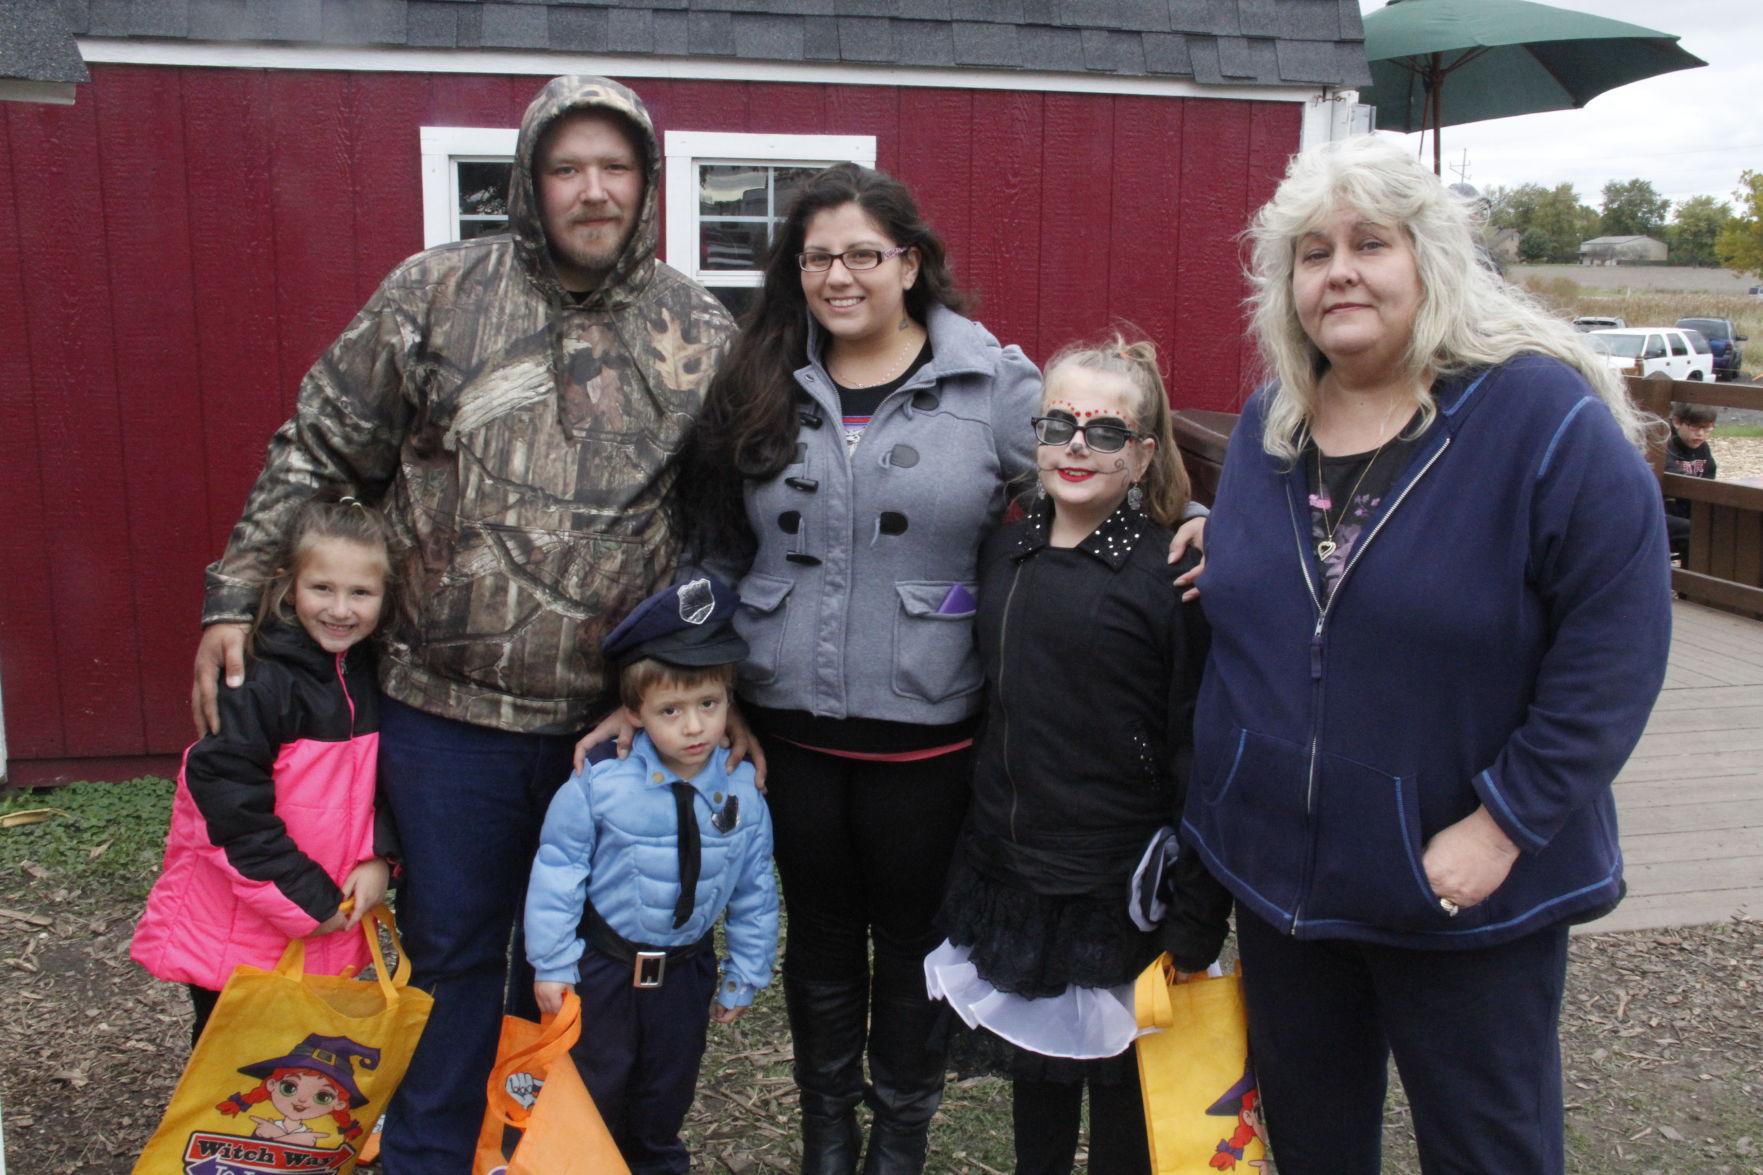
x=1202 y=436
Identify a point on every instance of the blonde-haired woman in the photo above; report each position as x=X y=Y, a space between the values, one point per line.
x=1437 y=589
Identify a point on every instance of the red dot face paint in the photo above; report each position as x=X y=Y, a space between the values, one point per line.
x=1086 y=486
x=1081 y=414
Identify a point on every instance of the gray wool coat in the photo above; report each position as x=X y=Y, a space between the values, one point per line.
x=850 y=606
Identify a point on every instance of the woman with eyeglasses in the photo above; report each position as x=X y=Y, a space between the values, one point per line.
x=1437 y=587
x=859 y=441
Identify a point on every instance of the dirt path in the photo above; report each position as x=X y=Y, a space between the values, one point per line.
x=1662 y=1039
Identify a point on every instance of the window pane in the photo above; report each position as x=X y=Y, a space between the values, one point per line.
x=468 y=229
x=786 y=182
x=737 y=299
x=483 y=188
x=731 y=189
x=724 y=244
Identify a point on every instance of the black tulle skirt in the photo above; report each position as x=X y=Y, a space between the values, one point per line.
x=1036 y=946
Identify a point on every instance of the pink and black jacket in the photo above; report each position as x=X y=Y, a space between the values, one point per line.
x=270 y=815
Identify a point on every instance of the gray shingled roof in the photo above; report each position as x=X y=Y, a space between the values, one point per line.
x=36 y=45
x=1221 y=42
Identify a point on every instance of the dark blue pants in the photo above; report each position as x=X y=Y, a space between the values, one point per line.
x=1474 y=1034
x=469 y=802
x=639 y=1054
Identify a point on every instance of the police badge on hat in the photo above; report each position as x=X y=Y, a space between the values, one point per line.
x=690 y=624
x=697 y=601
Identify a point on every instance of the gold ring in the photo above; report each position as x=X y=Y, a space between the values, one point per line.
x=1449 y=907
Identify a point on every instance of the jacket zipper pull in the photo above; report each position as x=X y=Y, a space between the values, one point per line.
x=1316 y=651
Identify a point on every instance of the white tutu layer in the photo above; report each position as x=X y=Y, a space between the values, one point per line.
x=1081 y=1023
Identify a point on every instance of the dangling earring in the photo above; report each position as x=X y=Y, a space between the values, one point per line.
x=1040 y=490
x=1135 y=497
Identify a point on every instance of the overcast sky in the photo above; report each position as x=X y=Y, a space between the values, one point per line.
x=1689 y=132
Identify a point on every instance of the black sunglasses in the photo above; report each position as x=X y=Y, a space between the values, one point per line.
x=1103 y=438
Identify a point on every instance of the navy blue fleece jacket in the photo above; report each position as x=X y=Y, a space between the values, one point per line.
x=1498 y=638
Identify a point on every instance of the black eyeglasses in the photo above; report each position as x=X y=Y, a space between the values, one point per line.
x=854 y=259
x=1103 y=438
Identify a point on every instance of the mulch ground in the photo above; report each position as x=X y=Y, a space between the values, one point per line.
x=1738 y=457
x=1662 y=1035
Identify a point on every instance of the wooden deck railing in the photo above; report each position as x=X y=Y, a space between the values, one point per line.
x=1724 y=568
x=1725 y=563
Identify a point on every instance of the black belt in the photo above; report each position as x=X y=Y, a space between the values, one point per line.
x=648 y=963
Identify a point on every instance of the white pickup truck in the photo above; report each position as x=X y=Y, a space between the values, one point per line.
x=1649 y=350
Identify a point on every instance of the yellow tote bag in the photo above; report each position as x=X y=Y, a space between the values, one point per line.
x=292 y=1068
x=1202 y=1112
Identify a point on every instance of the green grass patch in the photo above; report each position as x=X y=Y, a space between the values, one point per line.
x=110 y=840
x=1738 y=430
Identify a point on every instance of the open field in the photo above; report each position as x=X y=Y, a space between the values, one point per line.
x=1618 y=278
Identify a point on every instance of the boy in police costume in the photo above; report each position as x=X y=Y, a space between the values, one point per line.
x=638 y=859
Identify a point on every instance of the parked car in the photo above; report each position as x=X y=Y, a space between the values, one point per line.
x=1725 y=340
x=1652 y=350
x=1700 y=345
x=1592 y=322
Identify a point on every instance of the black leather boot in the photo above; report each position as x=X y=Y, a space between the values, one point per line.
x=906 y=1083
x=828 y=1024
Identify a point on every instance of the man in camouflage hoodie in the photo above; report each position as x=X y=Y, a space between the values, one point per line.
x=515 y=404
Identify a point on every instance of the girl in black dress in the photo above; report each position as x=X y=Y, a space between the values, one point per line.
x=1092 y=663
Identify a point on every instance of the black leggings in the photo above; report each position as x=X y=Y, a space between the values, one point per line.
x=1046 y=1113
x=202 y=999
x=863 y=849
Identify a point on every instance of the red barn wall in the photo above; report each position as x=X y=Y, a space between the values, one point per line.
x=178 y=246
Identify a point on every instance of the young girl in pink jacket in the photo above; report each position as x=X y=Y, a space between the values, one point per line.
x=274 y=823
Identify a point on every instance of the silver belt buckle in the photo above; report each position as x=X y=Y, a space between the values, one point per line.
x=650 y=969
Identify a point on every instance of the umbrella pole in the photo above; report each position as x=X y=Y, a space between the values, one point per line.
x=1436 y=98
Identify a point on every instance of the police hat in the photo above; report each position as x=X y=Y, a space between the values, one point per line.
x=690 y=623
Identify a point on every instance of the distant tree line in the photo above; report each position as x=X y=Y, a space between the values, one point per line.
x=1740 y=244
x=1551 y=222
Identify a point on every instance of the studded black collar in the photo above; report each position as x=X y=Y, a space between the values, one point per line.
x=1111 y=542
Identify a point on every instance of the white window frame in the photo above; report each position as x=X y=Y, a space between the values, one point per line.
x=686 y=150
x=445 y=146
x=442 y=147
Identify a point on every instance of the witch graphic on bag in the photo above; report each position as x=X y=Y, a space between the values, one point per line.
x=1244 y=1101
x=316 y=1079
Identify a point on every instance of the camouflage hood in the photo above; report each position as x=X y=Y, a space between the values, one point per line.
x=562 y=96
x=523 y=444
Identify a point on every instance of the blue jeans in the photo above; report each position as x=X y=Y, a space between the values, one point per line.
x=469 y=802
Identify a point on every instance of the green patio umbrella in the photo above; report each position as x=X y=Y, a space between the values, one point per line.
x=1438 y=63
